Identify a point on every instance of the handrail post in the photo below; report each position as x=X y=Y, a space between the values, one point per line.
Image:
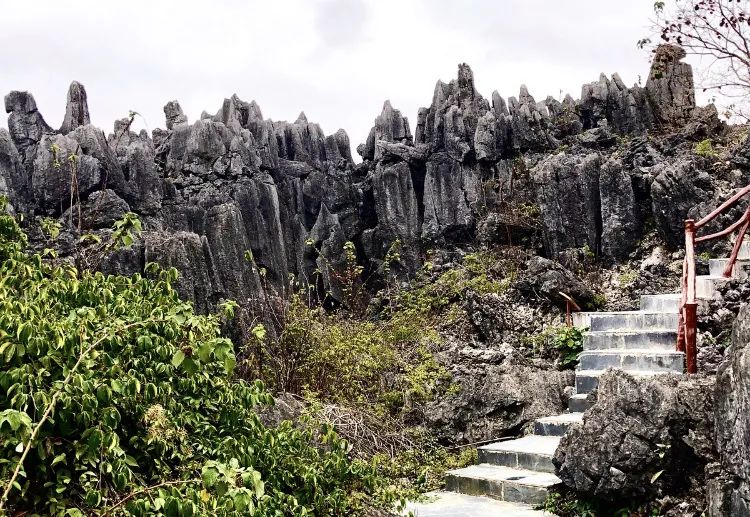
x=691 y=352
x=683 y=301
x=737 y=245
x=690 y=308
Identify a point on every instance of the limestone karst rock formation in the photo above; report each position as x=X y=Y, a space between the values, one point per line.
x=210 y=189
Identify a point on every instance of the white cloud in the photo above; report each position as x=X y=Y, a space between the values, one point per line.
x=337 y=60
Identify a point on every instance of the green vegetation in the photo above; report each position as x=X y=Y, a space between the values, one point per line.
x=705 y=149
x=117 y=399
x=341 y=357
x=421 y=470
x=567 y=342
x=627 y=276
x=566 y=503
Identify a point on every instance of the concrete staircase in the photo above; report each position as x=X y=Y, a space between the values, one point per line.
x=642 y=342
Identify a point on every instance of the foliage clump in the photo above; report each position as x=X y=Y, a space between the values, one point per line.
x=705 y=149
x=566 y=342
x=116 y=398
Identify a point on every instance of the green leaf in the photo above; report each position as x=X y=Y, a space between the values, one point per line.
x=656 y=476
x=59 y=458
x=189 y=365
x=204 y=352
x=178 y=358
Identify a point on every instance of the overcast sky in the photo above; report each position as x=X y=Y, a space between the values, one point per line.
x=337 y=60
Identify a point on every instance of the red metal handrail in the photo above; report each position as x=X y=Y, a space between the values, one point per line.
x=687 y=327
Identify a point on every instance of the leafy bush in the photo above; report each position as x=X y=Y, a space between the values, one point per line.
x=705 y=149
x=566 y=341
x=422 y=469
x=564 y=502
x=116 y=398
x=569 y=343
x=385 y=361
x=347 y=360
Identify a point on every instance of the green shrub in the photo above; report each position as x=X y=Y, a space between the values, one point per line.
x=705 y=149
x=568 y=341
x=116 y=398
x=627 y=276
x=422 y=469
x=342 y=359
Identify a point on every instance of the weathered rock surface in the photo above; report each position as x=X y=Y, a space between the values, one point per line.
x=240 y=182
x=451 y=193
x=638 y=428
x=76 y=110
x=676 y=189
x=548 y=279
x=568 y=195
x=25 y=123
x=733 y=422
x=670 y=86
x=497 y=400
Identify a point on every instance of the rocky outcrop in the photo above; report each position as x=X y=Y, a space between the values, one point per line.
x=609 y=101
x=14 y=182
x=733 y=423
x=644 y=437
x=670 y=86
x=450 y=123
x=25 y=123
x=567 y=192
x=451 y=193
x=390 y=127
x=496 y=400
x=270 y=186
x=676 y=189
x=76 y=109
x=547 y=279
x=619 y=210
x=174 y=115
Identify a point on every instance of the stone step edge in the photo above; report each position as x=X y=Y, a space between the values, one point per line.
x=634 y=373
x=636 y=330
x=523 y=473
x=567 y=418
x=645 y=352
x=629 y=332
x=625 y=313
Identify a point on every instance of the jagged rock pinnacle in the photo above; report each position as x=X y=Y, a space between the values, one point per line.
x=76 y=109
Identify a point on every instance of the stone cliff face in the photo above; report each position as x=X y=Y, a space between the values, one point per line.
x=232 y=182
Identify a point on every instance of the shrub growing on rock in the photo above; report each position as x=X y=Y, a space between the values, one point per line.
x=118 y=399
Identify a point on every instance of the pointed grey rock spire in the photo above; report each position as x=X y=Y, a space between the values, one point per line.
x=76 y=109
x=175 y=116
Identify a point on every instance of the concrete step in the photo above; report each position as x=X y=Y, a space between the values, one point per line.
x=740 y=270
x=660 y=302
x=705 y=285
x=452 y=504
x=581 y=319
x=663 y=340
x=507 y=484
x=588 y=380
x=578 y=403
x=636 y=359
x=556 y=425
x=744 y=250
x=632 y=320
x=530 y=452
